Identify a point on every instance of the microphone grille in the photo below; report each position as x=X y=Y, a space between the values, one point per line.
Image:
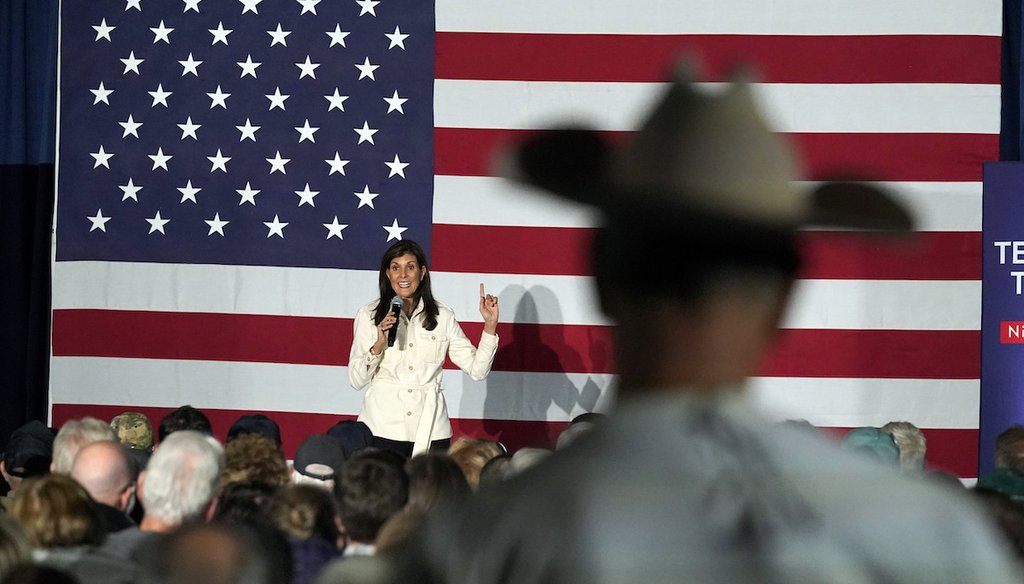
x=396 y=301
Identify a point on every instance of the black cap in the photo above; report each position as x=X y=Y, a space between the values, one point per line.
x=351 y=435
x=29 y=451
x=318 y=456
x=256 y=424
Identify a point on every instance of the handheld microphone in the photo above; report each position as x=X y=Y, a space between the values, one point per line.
x=396 y=306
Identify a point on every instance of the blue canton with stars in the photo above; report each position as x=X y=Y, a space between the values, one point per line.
x=257 y=132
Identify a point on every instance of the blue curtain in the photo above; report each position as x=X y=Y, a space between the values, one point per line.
x=28 y=57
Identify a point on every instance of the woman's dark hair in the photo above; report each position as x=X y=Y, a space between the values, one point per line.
x=399 y=249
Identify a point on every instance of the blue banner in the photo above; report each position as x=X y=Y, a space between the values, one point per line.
x=1002 y=312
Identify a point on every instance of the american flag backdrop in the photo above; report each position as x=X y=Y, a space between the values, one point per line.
x=230 y=171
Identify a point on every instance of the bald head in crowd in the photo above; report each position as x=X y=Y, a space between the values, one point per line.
x=105 y=471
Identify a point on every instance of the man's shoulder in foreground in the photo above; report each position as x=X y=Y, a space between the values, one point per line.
x=710 y=491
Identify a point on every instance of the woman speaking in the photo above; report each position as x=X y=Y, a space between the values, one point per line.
x=403 y=405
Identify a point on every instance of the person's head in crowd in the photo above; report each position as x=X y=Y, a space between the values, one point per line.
x=218 y=553
x=315 y=461
x=134 y=430
x=29 y=453
x=258 y=424
x=580 y=425
x=1010 y=449
x=104 y=469
x=496 y=470
x=397 y=531
x=306 y=515
x=180 y=482
x=435 y=479
x=471 y=455
x=305 y=511
x=15 y=549
x=55 y=511
x=351 y=435
x=250 y=502
x=39 y=574
x=184 y=418
x=1008 y=516
x=370 y=487
x=526 y=458
x=251 y=457
x=912 y=444
x=874 y=444
x=72 y=436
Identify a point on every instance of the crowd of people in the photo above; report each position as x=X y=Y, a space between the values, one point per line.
x=117 y=502
x=97 y=501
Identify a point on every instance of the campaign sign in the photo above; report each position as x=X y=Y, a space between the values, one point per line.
x=1002 y=305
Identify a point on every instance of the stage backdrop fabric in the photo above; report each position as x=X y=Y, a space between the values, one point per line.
x=230 y=172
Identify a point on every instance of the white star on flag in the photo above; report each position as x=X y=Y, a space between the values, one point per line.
x=365 y=133
x=306 y=196
x=366 y=197
x=248 y=194
x=130 y=191
x=218 y=98
x=334 y=228
x=337 y=36
x=279 y=36
x=188 y=192
x=131 y=127
x=98 y=221
x=160 y=159
x=395 y=103
x=248 y=67
x=101 y=93
x=220 y=34
x=160 y=96
x=188 y=129
x=367 y=7
x=366 y=69
x=136 y=4
x=337 y=164
x=191 y=5
x=276 y=227
x=248 y=131
x=306 y=132
x=397 y=39
x=307 y=68
x=250 y=6
x=131 y=64
x=336 y=100
x=277 y=99
x=156 y=223
x=101 y=157
x=394 y=231
x=190 y=65
x=308 y=6
x=216 y=225
x=103 y=31
x=161 y=33
x=218 y=161
x=277 y=163
x=397 y=167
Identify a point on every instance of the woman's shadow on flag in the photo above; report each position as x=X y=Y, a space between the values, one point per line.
x=543 y=371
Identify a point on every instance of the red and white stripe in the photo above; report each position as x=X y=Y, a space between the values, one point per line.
x=905 y=92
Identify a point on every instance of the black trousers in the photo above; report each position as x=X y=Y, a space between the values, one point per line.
x=405 y=448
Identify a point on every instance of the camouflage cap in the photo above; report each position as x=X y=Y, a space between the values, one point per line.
x=133 y=430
